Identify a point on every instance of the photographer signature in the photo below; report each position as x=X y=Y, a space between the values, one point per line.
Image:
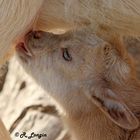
x=30 y=136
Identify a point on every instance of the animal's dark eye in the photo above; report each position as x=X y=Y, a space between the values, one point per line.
x=66 y=54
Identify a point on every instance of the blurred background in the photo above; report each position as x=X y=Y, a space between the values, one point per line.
x=25 y=107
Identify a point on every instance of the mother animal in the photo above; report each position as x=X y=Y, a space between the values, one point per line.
x=19 y=16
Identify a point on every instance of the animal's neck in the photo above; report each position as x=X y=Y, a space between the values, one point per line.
x=84 y=115
x=92 y=124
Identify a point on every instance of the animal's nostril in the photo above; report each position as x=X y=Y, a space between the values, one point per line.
x=36 y=35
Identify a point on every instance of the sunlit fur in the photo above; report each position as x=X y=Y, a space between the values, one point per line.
x=99 y=72
x=19 y=16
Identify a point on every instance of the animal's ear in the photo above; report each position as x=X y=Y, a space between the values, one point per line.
x=114 y=108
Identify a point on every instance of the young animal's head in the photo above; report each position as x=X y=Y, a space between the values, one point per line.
x=80 y=61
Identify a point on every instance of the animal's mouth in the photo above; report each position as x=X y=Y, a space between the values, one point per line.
x=21 y=48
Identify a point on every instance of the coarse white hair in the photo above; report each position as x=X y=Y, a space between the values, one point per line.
x=17 y=17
